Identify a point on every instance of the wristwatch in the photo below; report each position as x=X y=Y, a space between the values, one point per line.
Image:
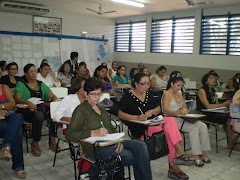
x=3 y=106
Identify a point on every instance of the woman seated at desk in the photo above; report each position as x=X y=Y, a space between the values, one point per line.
x=47 y=76
x=234 y=83
x=100 y=73
x=65 y=75
x=69 y=103
x=10 y=130
x=173 y=105
x=89 y=118
x=207 y=99
x=30 y=87
x=121 y=79
x=140 y=98
x=11 y=79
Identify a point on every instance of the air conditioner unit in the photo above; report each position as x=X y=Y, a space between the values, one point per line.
x=23 y=8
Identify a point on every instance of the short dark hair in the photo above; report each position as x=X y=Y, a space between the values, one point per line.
x=174 y=79
x=137 y=78
x=43 y=65
x=161 y=68
x=99 y=68
x=82 y=63
x=205 y=78
x=44 y=60
x=2 y=64
x=132 y=72
x=174 y=73
x=25 y=69
x=63 y=66
x=73 y=55
x=114 y=62
x=11 y=64
x=92 y=84
x=119 y=67
x=76 y=84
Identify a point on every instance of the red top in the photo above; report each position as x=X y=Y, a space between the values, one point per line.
x=3 y=96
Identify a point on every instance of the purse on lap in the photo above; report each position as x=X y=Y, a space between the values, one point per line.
x=157 y=145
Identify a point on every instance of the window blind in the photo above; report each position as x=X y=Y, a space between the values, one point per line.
x=172 y=35
x=130 y=37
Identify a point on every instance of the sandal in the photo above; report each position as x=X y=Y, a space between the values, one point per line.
x=20 y=174
x=206 y=160
x=183 y=160
x=6 y=153
x=235 y=148
x=177 y=175
x=199 y=163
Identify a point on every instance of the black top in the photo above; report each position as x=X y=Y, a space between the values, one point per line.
x=130 y=104
x=35 y=93
x=6 y=80
x=210 y=97
x=71 y=66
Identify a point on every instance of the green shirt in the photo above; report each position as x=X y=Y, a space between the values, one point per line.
x=120 y=80
x=25 y=93
x=84 y=120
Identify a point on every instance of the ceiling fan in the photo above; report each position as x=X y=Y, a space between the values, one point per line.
x=192 y=3
x=100 y=12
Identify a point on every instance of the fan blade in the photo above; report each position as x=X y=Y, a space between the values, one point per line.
x=91 y=10
x=207 y=2
x=109 y=12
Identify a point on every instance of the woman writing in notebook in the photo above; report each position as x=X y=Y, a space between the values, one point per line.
x=207 y=99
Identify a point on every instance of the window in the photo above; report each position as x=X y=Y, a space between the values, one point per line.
x=130 y=37
x=220 y=35
x=172 y=35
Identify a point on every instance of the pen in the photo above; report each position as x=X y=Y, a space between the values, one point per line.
x=140 y=110
x=103 y=125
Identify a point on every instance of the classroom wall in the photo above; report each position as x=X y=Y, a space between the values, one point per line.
x=73 y=24
x=188 y=62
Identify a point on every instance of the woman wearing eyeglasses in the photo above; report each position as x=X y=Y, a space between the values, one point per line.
x=91 y=119
x=121 y=79
x=11 y=79
x=100 y=73
x=139 y=104
x=173 y=105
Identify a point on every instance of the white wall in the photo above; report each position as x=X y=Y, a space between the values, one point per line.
x=73 y=24
x=187 y=60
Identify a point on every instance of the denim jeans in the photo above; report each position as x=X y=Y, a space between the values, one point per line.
x=134 y=153
x=10 y=130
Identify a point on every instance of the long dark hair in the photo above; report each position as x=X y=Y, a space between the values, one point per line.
x=62 y=68
x=119 y=67
x=92 y=84
x=161 y=68
x=137 y=78
x=174 y=79
x=132 y=72
x=76 y=84
x=99 y=68
x=204 y=82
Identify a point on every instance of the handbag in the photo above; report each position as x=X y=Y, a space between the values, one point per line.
x=110 y=169
x=157 y=145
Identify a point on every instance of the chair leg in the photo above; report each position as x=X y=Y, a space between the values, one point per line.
x=129 y=173
x=184 y=141
x=233 y=145
x=216 y=129
x=55 y=156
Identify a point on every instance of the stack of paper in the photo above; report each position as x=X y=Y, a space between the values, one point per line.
x=35 y=100
x=219 y=108
x=108 y=137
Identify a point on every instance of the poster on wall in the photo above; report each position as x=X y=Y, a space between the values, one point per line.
x=47 y=25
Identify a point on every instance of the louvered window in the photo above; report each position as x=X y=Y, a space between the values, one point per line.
x=220 y=35
x=172 y=35
x=130 y=37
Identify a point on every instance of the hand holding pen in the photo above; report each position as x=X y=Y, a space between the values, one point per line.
x=142 y=117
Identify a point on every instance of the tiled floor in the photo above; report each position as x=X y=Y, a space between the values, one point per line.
x=40 y=168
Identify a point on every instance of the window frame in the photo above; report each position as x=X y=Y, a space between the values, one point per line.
x=130 y=36
x=173 y=33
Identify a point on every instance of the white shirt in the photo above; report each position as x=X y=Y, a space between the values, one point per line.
x=49 y=81
x=67 y=106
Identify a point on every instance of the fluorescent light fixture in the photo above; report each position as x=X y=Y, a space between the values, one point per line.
x=129 y=2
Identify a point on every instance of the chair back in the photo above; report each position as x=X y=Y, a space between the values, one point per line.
x=60 y=92
x=104 y=95
x=53 y=107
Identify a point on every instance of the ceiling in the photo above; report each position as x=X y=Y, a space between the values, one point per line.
x=151 y=6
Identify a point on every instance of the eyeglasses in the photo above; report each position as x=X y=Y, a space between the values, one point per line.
x=145 y=84
x=94 y=94
x=13 y=69
x=123 y=69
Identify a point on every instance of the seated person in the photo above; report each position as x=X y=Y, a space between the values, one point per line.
x=217 y=86
x=43 y=61
x=80 y=71
x=11 y=79
x=159 y=80
x=121 y=79
x=206 y=99
x=133 y=72
x=86 y=122
x=30 y=87
x=3 y=65
x=146 y=71
x=70 y=102
x=173 y=104
x=65 y=75
x=47 y=76
x=88 y=75
x=10 y=130
x=113 y=71
x=234 y=83
x=140 y=66
x=141 y=98
x=100 y=73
